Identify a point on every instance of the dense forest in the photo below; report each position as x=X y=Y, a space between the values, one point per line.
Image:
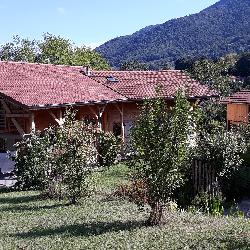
x=221 y=29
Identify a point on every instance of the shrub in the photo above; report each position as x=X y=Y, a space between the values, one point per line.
x=58 y=160
x=74 y=155
x=108 y=148
x=32 y=161
x=207 y=204
x=135 y=192
x=159 y=139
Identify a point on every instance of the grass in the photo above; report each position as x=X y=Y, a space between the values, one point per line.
x=28 y=222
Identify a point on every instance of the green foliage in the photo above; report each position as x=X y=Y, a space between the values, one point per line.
x=59 y=160
x=108 y=148
x=242 y=67
x=212 y=33
x=19 y=50
x=52 y=49
x=74 y=155
x=133 y=65
x=216 y=74
x=29 y=222
x=219 y=147
x=31 y=161
x=159 y=139
x=55 y=50
x=205 y=203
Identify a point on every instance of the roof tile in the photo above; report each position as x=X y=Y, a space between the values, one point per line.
x=46 y=84
x=143 y=84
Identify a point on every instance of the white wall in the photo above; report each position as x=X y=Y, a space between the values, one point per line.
x=6 y=164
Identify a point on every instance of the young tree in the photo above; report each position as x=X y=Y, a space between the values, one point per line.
x=75 y=155
x=214 y=74
x=159 y=139
x=32 y=161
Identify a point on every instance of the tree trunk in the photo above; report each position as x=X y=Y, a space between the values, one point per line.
x=156 y=214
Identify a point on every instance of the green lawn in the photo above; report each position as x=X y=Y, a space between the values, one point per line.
x=27 y=222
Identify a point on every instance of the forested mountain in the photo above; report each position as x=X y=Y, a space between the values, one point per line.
x=217 y=30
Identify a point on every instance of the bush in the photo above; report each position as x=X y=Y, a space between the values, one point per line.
x=58 y=160
x=206 y=203
x=32 y=161
x=108 y=148
x=135 y=192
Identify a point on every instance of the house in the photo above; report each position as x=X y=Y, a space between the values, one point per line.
x=34 y=96
x=237 y=107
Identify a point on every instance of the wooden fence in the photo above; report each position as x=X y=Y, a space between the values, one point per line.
x=204 y=177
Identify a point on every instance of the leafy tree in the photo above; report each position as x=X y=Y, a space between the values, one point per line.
x=222 y=148
x=159 y=138
x=242 y=66
x=52 y=49
x=55 y=50
x=216 y=74
x=75 y=155
x=133 y=65
x=219 y=147
x=19 y=50
x=85 y=56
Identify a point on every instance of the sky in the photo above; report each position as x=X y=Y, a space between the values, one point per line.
x=88 y=22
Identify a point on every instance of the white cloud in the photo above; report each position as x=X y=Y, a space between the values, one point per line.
x=61 y=10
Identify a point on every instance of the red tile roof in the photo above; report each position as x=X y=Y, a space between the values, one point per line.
x=45 y=84
x=238 y=97
x=142 y=84
x=39 y=85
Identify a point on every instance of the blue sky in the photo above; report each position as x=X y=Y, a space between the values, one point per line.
x=88 y=22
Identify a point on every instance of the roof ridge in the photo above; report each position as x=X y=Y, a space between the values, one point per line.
x=43 y=64
x=138 y=71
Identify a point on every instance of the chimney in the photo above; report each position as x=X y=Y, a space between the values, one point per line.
x=86 y=70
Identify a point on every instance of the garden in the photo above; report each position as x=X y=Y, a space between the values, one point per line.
x=105 y=221
x=74 y=192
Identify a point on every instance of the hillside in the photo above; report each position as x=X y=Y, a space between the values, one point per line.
x=217 y=30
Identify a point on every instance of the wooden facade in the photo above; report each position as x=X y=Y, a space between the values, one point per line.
x=237 y=113
x=15 y=121
x=237 y=107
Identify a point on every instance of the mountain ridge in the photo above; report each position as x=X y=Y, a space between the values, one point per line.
x=221 y=28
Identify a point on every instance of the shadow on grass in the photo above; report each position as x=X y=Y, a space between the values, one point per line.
x=84 y=229
x=21 y=208
x=233 y=244
x=20 y=199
